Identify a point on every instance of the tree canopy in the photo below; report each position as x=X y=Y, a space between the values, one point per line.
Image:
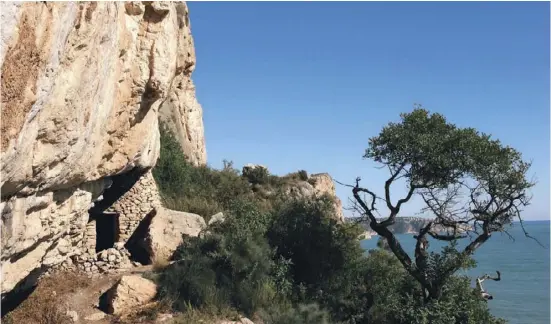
x=472 y=185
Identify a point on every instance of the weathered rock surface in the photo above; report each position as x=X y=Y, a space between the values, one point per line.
x=95 y=317
x=82 y=85
x=317 y=185
x=217 y=218
x=166 y=229
x=128 y=293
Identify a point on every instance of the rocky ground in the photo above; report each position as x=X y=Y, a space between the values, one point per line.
x=123 y=297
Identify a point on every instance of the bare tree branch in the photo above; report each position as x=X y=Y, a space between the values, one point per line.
x=526 y=233
x=383 y=231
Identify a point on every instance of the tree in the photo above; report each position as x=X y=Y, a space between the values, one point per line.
x=470 y=183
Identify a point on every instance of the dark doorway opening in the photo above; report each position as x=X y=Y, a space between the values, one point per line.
x=137 y=243
x=107 y=230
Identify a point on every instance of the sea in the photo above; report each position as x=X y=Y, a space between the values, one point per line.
x=522 y=295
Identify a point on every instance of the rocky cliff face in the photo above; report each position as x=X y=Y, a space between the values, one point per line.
x=83 y=84
x=318 y=185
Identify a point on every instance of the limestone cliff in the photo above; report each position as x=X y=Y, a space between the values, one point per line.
x=318 y=185
x=82 y=86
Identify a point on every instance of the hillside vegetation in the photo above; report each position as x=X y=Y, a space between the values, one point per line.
x=287 y=261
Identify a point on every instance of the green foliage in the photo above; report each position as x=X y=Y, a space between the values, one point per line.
x=424 y=142
x=206 y=191
x=288 y=261
x=383 y=244
x=193 y=189
x=228 y=267
x=300 y=175
x=326 y=258
x=435 y=153
x=293 y=230
x=257 y=175
x=396 y=298
x=461 y=174
x=272 y=265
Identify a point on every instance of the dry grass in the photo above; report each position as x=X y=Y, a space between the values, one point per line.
x=43 y=305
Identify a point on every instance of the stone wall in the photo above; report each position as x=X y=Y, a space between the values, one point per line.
x=132 y=207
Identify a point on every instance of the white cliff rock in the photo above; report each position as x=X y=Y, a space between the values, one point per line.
x=166 y=229
x=82 y=84
x=216 y=218
x=323 y=184
x=128 y=293
x=317 y=185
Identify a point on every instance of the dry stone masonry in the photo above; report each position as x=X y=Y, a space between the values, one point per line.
x=107 y=261
x=135 y=204
x=129 y=210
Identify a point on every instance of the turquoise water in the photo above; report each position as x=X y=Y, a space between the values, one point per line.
x=522 y=295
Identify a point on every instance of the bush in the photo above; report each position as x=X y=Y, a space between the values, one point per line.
x=394 y=297
x=195 y=189
x=257 y=175
x=300 y=175
x=326 y=257
x=305 y=232
x=230 y=267
x=303 y=175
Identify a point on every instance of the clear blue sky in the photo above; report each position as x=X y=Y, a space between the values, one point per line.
x=303 y=85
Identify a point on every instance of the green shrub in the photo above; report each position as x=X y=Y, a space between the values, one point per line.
x=394 y=297
x=229 y=267
x=326 y=258
x=306 y=232
x=303 y=175
x=195 y=189
x=257 y=175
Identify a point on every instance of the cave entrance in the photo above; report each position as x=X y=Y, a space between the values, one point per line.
x=137 y=243
x=107 y=230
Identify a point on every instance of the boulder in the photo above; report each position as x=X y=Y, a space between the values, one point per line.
x=166 y=229
x=95 y=317
x=216 y=218
x=73 y=315
x=128 y=293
